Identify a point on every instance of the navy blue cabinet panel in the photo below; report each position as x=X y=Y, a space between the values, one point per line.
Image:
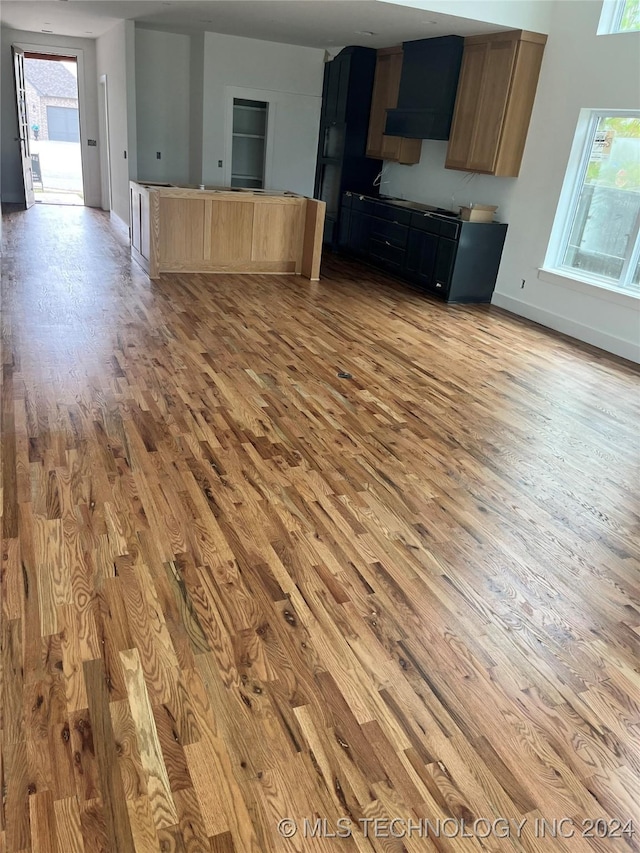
x=454 y=260
x=428 y=85
x=421 y=257
x=342 y=163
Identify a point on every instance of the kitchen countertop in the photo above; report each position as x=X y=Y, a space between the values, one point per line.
x=419 y=207
x=210 y=189
x=411 y=205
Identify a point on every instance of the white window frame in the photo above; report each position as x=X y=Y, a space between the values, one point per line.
x=568 y=208
x=611 y=18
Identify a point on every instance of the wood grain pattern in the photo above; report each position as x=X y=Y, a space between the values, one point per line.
x=386 y=85
x=187 y=230
x=312 y=243
x=494 y=101
x=238 y=588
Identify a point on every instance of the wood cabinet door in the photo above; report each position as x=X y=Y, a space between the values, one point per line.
x=391 y=145
x=466 y=109
x=379 y=105
x=492 y=104
x=386 y=86
x=420 y=258
x=338 y=89
x=360 y=233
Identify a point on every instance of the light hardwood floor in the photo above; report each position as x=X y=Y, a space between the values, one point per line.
x=237 y=588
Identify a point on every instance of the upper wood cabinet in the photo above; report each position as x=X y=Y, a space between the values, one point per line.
x=385 y=97
x=495 y=98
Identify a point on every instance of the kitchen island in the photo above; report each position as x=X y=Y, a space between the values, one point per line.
x=218 y=229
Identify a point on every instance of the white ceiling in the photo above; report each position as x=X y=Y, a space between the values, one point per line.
x=314 y=23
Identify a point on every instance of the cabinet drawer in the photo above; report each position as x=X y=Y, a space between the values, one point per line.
x=363 y=204
x=450 y=229
x=389 y=256
x=426 y=222
x=391 y=233
x=394 y=214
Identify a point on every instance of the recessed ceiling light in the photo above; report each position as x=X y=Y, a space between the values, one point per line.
x=46 y=31
x=365 y=33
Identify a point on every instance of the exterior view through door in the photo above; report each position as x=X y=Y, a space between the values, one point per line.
x=51 y=92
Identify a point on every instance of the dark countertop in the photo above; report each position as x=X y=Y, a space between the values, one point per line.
x=438 y=212
x=412 y=205
x=422 y=208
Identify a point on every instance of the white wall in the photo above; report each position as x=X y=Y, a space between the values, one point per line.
x=517 y=14
x=162 y=82
x=132 y=132
x=428 y=181
x=290 y=78
x=580 y=70
x=196 y=94
x=12 y=186
x=111 y=60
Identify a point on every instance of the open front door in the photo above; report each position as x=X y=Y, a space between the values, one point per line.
x=23 y=125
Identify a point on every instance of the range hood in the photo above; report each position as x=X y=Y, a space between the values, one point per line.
x=428 y=85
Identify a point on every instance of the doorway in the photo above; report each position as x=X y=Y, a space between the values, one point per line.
x=51 y=83
x=248 y=147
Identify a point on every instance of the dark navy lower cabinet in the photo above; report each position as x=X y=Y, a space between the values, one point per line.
x=420 y=260
x=454 y=260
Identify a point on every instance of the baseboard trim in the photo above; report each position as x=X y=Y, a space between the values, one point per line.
x=602 y=340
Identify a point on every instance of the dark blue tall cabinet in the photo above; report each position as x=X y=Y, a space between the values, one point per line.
x=342 y=163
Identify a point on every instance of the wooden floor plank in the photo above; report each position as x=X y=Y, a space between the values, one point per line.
x=238 y=588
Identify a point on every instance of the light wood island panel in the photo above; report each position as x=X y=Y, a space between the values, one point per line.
x=179 y=229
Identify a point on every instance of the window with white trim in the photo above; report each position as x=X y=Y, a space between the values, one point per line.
x=619 y=16
x=596 y=235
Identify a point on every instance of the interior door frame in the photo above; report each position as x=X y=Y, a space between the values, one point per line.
x=267 y=97
x=76 y=53
x=105 y=149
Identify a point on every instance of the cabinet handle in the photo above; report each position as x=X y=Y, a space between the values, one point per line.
x=387 y=242
x=438 y=284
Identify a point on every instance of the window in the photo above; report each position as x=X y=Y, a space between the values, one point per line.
x=619 y=16
x=596 y=236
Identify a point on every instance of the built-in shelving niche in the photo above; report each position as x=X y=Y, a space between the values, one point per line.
x=249 y=143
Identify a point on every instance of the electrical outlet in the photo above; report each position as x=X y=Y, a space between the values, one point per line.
x=219 y=164
x=158 y=155
x=522 y=284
